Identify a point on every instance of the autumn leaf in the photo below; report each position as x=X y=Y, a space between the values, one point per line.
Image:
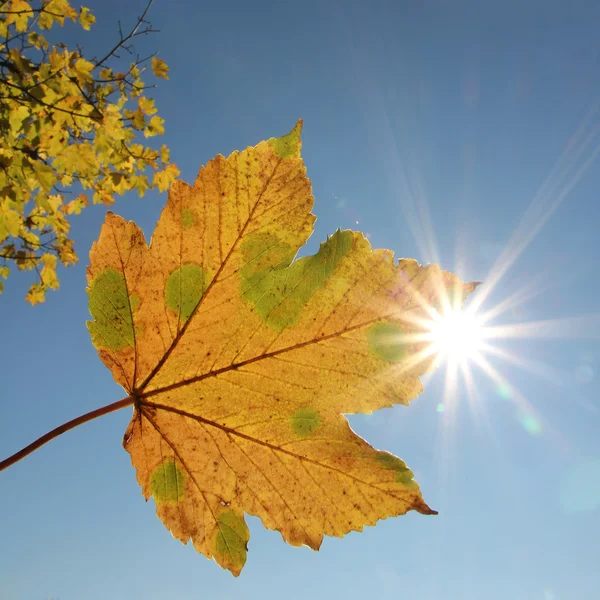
x=155 y=127
x=160 y=68
x=146 y=105
x=86 y=18
x=163 y=179
x=242 y=360
x=83 y=68
x=19 y=13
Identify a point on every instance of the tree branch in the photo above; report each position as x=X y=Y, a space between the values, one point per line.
x=133 y=33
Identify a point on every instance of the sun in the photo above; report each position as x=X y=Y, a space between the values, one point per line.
x=456 y=336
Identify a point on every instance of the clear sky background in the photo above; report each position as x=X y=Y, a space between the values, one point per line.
x=483 y=115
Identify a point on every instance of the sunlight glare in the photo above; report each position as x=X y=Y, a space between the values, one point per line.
x=457 y=336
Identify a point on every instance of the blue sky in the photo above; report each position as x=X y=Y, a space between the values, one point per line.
x=460 y=132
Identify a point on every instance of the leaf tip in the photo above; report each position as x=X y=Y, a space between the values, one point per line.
x=424 y=509
x=289 y=145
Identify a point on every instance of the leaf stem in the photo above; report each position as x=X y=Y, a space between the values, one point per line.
x=94 y=414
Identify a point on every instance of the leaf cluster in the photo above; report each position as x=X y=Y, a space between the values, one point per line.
x=69 y=124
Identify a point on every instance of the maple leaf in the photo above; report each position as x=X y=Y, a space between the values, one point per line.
x=160 y=68
x=241 y=360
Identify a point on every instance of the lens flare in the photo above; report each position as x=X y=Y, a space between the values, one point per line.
x=457 y=336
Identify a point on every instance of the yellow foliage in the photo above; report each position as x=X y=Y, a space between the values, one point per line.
x=71 y=122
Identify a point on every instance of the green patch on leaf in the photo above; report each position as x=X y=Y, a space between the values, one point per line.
x=231 y=544
x=388 y=341
x=187 y=218
x=305 y=422
x=279 y=292
x=184 y=289
x=167 y=482
x=287 y=145
x=403 y=473
x=111 y=307
x=134 y=301
x=262 y=252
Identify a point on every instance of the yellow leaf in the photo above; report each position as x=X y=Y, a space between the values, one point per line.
x=156 y=126
x=37 y=40
x=48 y=272
x=147 y=105
x=20 y=61
x=119 y=182
x=36 y=294
x=113 y=125
x=10 y=222
x=86 y=18
x=83 y=68
x=76 y=206
x=55 y=201
x=66 y=252
x=137 y=119
x=165 y=154
x=140 y=183
x=57 y=59
x=103 y=196
x=19 y=13
x=29 y=236
x=163 y=179
x=160 y=68
x=45 y=176
x=243 y=360
x=16 y=117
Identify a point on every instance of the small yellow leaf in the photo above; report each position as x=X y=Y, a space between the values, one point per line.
x=140 y=183
x=16 y=117
x=48 y=272
x=86 y=18
x=146 y=105
x=45 y=176
x=163 y=179
x=83 y=68
x=137 y=119
x=66 y=252
x=37 y=40
x=74 y=207
x=160 y=68
x=10 y=222
x=156 y=126
x=165 y=154
x=19 y=13
x=119 y=182
x=36 y=294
